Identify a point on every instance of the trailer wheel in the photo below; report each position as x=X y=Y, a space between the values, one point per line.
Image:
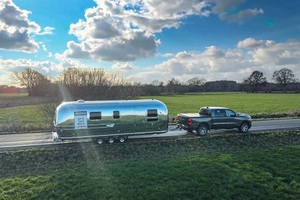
x=122 y=139
x=100 y=140
x=111 y=140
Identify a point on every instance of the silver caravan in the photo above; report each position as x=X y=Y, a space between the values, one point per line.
x=109 y=120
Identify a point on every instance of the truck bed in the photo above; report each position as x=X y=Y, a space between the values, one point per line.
x=189 y=115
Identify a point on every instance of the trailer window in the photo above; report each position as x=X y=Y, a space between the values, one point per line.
x=152 y=115
x=95 y=115
x=116 y=114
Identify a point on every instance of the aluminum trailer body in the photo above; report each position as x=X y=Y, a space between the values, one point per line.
x=110 y=119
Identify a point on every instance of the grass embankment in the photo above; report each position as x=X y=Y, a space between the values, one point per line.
x=251 y=166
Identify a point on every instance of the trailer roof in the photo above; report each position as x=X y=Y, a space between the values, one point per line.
x=81 y=101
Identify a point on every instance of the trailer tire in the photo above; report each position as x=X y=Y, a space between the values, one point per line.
x=202 y=130
x=111 y=140
x=122 y=139
x=100 y=140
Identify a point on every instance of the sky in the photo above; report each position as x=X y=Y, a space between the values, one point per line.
x=151 y=40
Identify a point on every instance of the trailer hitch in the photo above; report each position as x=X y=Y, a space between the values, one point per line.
x=174 y=127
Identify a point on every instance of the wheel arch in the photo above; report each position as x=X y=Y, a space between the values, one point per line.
x=244 y=121
x=205 y=124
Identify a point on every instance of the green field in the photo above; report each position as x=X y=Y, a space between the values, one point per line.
x=242 y=102
x=12 y=100
x=255 y=166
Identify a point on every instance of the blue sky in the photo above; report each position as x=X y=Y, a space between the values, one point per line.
x=148 y=40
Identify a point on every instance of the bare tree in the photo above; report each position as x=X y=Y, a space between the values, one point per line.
x=32 y=80
x=196 y=81
x=195 y=84
x=95 y=84
x=283 y=77
x=157 y=83
x=174 y=86
x=256 y=80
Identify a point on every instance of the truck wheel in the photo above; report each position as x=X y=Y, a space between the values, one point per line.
x=111 y=140
x=244 y=127
x=202 y=130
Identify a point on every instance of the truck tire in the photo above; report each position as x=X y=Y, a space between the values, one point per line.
x=202 y=130
x=244 y=127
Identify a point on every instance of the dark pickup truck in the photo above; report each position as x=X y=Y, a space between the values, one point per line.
x=214 y=118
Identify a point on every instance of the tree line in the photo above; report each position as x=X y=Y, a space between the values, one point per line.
x=284 y=80
x=77 y=83
x=92 y=84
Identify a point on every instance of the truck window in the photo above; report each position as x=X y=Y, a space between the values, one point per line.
x=220 y=113
x=230 y=113
x=116 y=114
x=95 y=115
x=152 y=115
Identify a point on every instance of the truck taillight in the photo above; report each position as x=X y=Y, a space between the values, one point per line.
x=190 y=121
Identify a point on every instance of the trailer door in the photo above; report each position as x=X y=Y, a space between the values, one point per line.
x=139 y=119
x=127 y=119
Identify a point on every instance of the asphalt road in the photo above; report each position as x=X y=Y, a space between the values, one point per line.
x=42 y=139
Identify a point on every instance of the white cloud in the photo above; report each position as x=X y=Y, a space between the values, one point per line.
x=277 y=55
x=105 y=35
x=77 y=50
x=49 y=55
x=154 y=15
x=231 y=64
x=47 y=31
x=249 y=43
x=242 y=15
x=124 y=30
x=16 y=28
x=43 y=46
x=7 y=66
x=228 y=10
x=67 y=62
x=123 y=66
x=212 y=64
x=4 y=79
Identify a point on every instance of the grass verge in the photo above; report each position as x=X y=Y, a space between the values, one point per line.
x=251 y=166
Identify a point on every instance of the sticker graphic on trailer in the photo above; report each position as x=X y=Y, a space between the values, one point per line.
x=80 y=119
